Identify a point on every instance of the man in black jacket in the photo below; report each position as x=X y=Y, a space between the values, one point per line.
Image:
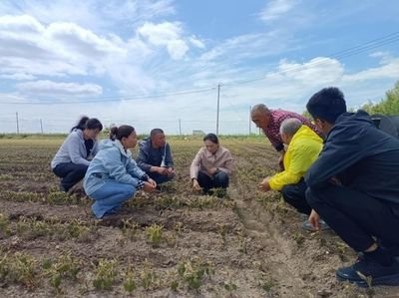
x=354 y=187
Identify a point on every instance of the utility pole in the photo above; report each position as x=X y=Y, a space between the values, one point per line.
x=41 y=126
x=180 y=126
x=217 y=111
x=16 y=114
x=250 y=120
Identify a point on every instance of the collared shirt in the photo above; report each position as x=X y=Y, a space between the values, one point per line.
x=273 y=129
x=204 y=161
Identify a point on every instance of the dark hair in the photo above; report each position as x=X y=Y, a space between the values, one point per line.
x=327 y=104
x=211 y=137
x=155 y=131
x=88 y=123
x=123 y=131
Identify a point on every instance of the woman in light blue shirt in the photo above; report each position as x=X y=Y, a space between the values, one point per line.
x=113 y=176
x=73 y=158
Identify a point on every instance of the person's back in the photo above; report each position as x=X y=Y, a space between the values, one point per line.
x=302 y=151
x=366 y=158
x=354 y=187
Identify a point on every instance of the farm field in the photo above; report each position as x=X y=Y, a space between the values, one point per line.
x=171 y=244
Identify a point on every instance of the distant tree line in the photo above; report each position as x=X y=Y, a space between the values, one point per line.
x=387 y=106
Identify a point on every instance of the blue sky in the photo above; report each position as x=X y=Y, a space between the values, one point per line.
x=139 y=60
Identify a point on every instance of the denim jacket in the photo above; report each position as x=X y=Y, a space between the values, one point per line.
x=113 y=162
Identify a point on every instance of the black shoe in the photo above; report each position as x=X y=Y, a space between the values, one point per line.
x=367 y=272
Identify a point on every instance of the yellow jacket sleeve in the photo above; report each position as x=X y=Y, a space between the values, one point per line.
x=293 y=174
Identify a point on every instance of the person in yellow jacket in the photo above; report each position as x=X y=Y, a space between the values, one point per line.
x=304 y=146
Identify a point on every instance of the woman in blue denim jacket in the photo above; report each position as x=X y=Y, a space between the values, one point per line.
x=113 y=176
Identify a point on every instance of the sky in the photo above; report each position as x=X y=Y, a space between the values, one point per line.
x=157 y=63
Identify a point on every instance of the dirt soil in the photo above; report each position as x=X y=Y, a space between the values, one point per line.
x=248 y=244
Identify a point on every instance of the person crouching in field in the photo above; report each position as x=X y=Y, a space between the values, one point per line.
x=304 y=146
x=212 y=166
x=155 y=157
x=113 y=176
x=73 y=158
x=270 y=121
x=354 y=187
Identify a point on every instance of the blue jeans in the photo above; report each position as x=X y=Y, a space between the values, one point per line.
x=110 y=197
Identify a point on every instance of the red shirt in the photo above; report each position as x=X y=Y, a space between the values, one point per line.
x=273 y=129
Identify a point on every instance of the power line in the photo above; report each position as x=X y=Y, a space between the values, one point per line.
x=388 y=39
x=373 y=44
x=115 y=99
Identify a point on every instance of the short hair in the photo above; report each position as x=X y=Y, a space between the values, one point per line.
x=290 y=126
x=211 y=137
x=259 y=108
x=155 y=131
x=327 y=104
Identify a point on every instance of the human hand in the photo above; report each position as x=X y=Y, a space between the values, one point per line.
x=149 y=187
x=212 y=171
x=264 y=185
x=196 y=185
x=314 y=220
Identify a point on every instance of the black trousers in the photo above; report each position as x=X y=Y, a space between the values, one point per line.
x=159 y=179
x=70 y=174
x=219 y=180
x=355 y=216
x=295 y=195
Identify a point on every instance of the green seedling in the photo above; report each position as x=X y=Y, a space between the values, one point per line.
x=77 y=230
x=223 y=230
x=22 y=269
x=129 y=283
x=299 y=238
x=148 y=277
x=174 y=285
x=66 y=267
x=193 y=273
x=130 y=228
x=105 y=275
x=230 y=286
x=154 y=235
x=5 y=227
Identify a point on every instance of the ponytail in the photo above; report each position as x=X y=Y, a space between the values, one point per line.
x=123 y=131
x=81 y=124
x=88 y=123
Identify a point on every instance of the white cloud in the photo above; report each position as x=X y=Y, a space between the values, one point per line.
x=322 y=70
x=165 y=34
x=92 y=14
x=59 y=49
x=388 y=70
x=55 y=89
x=18 y=77
x=197 y=42
x=275 y=9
